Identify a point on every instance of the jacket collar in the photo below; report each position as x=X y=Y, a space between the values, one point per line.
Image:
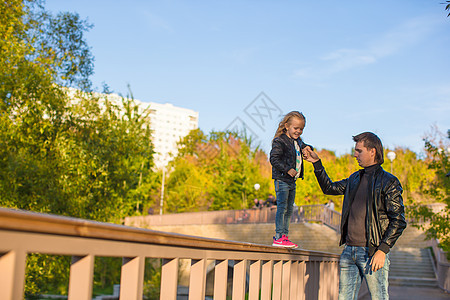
x=286 y=138
x=373 y=169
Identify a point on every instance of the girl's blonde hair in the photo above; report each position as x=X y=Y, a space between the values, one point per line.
x=287 y=119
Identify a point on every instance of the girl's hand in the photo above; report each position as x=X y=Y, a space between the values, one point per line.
x=310 y=155
x=292 y=172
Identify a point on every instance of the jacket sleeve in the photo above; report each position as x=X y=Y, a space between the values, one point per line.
x=326 y=184
x=276 y=156
x=396 y=214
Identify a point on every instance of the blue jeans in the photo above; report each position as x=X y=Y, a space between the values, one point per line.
x=354 y=266
x=285 y=203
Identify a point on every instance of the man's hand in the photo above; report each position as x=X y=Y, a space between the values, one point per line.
x=310 y=155
x=292 y=172
x=377 y=261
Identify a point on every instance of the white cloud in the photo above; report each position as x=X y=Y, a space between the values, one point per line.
x=157 y=22
x=389 y=43
x=405 y=35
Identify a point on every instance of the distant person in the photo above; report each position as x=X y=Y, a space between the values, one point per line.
x=274 y=201
x=261 y=203
x=330 y=204
x=256 y=203
x=296 y=216
x=270 y=201
x=287 y=166
x=301 y=214
x=372 y=217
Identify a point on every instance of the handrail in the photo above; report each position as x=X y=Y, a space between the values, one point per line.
x=275 y=273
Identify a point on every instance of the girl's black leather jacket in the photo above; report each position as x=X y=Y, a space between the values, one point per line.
x=385 y=218
x=283 y=157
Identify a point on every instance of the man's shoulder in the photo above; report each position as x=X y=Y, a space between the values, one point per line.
x=386 y=175
x=354 y=174
x=387 y=179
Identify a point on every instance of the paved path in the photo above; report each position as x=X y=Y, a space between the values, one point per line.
x=414 y=293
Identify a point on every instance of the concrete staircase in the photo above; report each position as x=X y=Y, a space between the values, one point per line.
x=411 y=261
x=309 y=236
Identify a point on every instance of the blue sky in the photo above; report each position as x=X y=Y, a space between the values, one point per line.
x=349 y=66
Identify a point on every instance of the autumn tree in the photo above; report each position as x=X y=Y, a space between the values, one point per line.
x=216 y=172
x=62 y=150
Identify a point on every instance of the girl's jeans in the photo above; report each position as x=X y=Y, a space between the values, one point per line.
x=285 y=193
x=354 y=266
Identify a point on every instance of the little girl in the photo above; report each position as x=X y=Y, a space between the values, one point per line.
x=287 y=166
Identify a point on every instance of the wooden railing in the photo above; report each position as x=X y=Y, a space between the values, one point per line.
x=304 y=213
x=273 y=273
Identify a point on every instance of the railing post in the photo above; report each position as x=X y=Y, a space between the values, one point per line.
x=335 y=278
x=220 y=280
x=328 y=285
x=277 y=280
x=266 y=281
x=312 y=284
x=301 y=281
x=294 y=280
x=322 y=280
x=255 y=279
x=299 y=284
x=239 y=273
x=132 y=277
x=169 y=279
x=81 y=277
x=197 y=280
x=286 y=280
x=12 y=275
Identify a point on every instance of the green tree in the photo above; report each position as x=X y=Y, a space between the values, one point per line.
x=413 y=173
x=437 y=224
x=64 y=151
x=447 y=7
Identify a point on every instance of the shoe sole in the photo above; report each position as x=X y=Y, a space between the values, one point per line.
x=276 y=245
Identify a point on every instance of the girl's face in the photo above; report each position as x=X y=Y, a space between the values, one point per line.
x=294 y=128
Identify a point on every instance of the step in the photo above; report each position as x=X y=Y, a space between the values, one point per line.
x=410 y=273
x=410 y=263
x=413 y=273
x=400 y=262
x=412 y=281
x=429 y=275
x=422 y=267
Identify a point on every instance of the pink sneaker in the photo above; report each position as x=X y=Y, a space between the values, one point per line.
x=288 y=243
x=283 y=242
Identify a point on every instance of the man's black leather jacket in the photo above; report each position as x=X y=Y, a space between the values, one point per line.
x=283 y=157
x=385 y=218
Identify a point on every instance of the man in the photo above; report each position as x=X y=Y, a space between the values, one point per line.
x=372 y=217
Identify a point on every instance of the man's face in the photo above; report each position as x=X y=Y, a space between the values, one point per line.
x=364 y=156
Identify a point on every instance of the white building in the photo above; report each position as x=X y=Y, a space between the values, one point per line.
x=169 y=125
